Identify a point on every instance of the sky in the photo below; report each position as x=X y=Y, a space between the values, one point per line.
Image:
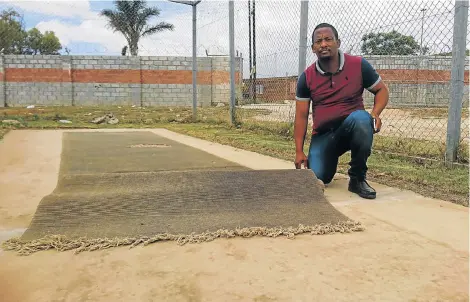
x=81 y=29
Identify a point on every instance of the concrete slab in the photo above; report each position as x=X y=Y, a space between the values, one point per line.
x=414 y=248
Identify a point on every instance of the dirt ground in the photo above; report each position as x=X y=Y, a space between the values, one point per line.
x=413 y=248
x=396 y=122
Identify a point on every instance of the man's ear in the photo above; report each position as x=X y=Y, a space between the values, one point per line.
x=339 y=43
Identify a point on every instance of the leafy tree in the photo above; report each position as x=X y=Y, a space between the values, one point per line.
x=12 y=35
x=131 y=19
x=14 y=39
x=33 y=41
x=50 y=44
x=390 y=43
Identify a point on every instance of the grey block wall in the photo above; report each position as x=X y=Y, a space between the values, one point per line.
x=66 y=85
x=72 y=85
x=41 y=93
x=23 y=94
x=221 y=93
x=32 y=61
x=413 y=94
x=99 y=93
x=176 y=94
x=102 y=94
x=105 y=62
x=418 y=95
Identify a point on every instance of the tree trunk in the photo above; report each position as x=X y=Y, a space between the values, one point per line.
x=133 y=47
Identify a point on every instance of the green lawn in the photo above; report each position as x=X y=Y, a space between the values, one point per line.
x=274 y=139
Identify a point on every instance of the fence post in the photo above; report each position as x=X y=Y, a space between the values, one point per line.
x=231 y=27
x=457 y=80
x=3 y=99
x=303 y=36
x=194 y=66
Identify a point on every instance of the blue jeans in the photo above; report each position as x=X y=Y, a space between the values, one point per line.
x=354 y=134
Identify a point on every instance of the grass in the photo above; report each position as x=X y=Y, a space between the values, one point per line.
x=426 y=177
x=434 y=112
x=418 y=148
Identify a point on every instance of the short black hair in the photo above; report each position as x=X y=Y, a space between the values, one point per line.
x=323 y=25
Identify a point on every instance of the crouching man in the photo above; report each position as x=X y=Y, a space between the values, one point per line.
x=332 y=87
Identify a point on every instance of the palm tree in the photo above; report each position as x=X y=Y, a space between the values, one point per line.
x=131 y=19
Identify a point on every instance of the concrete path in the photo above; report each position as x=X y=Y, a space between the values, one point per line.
x=414 y=248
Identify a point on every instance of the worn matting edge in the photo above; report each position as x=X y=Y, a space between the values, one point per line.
x=62 y=243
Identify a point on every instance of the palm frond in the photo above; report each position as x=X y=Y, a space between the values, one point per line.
x=138 y=5
x=123 y=6
x=157 y=28
x=115 y=19
x=145 y=15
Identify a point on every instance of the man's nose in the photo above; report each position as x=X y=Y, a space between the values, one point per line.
x=323 y=43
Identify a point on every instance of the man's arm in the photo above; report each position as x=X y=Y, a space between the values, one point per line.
x=381 y=98
x=302 y=107
x=300 y=125
x=373 y=82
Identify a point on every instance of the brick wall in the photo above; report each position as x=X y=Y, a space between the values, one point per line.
x=417 y=81
x=412 y=81
x=112 y=80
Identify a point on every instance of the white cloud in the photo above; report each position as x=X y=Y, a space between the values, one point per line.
x=91 y=31
x=176 y=43
x=95 y=30
x=79 y=9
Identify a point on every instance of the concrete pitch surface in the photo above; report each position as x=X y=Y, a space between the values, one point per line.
x=413 y=248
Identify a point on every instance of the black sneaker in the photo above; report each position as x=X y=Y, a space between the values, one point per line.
x=362 y=188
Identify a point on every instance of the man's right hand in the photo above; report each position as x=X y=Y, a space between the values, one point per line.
x=300 y=159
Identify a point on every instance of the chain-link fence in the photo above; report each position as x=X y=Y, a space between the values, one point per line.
x=409 y=43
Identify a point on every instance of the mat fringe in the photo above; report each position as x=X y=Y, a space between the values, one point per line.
x=62 y=243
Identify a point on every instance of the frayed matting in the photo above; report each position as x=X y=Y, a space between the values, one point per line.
x=62 y=243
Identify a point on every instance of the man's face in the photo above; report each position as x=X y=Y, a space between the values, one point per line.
x=325 y=44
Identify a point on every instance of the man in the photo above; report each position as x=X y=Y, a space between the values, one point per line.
x=333 y=87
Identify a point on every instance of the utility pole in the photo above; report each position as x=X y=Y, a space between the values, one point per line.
x=422 y=32
x=457 y=80
x=254 y=50
x=250 y=87
x=193 y=4
x=303 y=36
x=231 y=20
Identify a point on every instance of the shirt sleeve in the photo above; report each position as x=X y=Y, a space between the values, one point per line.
x=370 y=77
x=303 y=92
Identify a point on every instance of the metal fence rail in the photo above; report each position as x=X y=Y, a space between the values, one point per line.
x=417 y=48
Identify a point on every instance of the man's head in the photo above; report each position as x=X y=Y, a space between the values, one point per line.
x=325 y=41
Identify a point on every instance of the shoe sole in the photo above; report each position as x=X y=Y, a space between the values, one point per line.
x=363 y=195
